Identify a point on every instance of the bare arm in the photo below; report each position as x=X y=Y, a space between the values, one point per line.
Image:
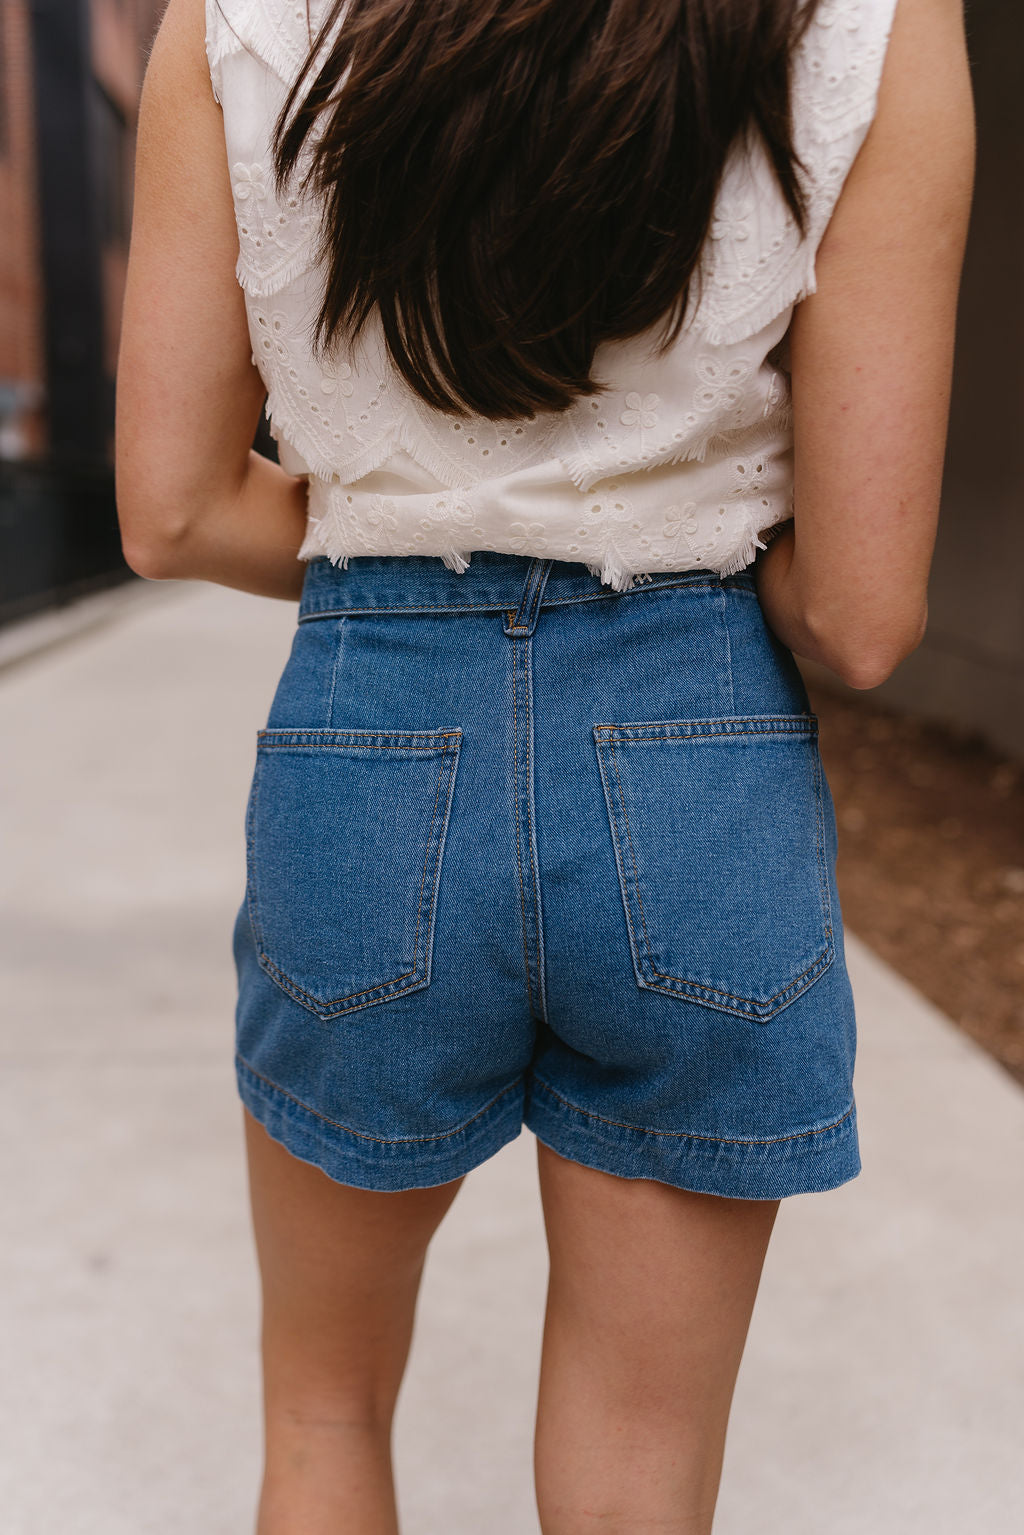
x=193 y=499
x=871 y=354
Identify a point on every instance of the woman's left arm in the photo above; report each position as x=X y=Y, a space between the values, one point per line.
x=194 y=500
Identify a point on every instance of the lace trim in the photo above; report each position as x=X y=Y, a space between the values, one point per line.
x=716 y=441
x=845 y=46
x=220 y=41
x=274 y=30
x=756 y=265
x=275 y=238
x=337 y=533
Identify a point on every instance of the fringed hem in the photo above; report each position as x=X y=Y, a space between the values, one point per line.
x=611 y=573
x=752 y=438
x=343 y=470
x=323 y=540
x=747 y=321
x=267 y=284
x=220 y=42
x=336 y=472
x=269 y=38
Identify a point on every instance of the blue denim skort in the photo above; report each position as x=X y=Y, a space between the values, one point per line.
x=522 y=849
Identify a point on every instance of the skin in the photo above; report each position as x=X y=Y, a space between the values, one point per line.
x=872 y=359
x=651 y=1288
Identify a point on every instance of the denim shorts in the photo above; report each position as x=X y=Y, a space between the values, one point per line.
x=522 y=849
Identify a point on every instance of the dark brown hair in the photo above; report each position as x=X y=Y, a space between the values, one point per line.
x=511 y=182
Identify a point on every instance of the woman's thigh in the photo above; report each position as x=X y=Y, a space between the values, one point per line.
x=650 y=1297
x=340 y=1270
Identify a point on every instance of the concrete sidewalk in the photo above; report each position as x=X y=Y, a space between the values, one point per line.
x=882 y=1392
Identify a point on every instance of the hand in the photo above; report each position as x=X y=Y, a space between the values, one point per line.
x=771 y=569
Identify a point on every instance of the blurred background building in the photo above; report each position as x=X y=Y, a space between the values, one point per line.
x=70 y=73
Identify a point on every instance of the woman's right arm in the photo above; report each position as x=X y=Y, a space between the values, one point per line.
x=871 y=356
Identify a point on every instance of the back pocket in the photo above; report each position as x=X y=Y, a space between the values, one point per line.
x=718 y=829
x=345 y=831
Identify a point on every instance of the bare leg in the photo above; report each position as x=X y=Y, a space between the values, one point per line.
x=649 y=1301
x=340 y=1270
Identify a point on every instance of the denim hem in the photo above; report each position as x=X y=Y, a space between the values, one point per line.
x=383 y=1165
x=808 y=1163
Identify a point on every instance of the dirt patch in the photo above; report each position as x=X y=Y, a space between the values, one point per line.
x=931 y=860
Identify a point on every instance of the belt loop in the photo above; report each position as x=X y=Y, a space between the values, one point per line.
x=524 y=620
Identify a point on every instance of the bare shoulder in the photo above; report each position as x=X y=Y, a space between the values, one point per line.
x=925 y=85
x=914 y=173
x=177 y=57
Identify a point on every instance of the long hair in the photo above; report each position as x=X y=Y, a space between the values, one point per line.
x=510 y=183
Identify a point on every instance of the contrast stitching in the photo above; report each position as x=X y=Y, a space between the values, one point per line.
x=690 y=1135
x=826 y=899
x=438 y=742
x=766 y=724
x=539 y=943
x=416 y=936
x=724 y=610
x=344 y=746
x=618 y=855
x=497 y=606
x=694 y=988
x=515 y=806
x=521 y=616
x=540 y=580
x=250 y=851
x=716 y=991
x=320 y=1008
x=525 y=616
x=328 y=1009
x=380 y=1140
x=339 y=647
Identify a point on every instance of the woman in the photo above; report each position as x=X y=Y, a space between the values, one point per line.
x=608 y=352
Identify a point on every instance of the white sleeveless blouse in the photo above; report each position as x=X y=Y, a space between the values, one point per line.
x=683 y=462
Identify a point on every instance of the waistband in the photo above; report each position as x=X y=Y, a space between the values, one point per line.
x=518 y=585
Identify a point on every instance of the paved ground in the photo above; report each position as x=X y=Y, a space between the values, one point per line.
x=882 y=1392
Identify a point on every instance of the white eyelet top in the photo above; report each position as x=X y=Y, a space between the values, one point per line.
x=685 y=460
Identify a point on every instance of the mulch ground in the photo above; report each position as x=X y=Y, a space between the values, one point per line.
x=931 y=860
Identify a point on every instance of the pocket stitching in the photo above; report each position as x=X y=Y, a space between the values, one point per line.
x=386 y=990
x=687 y=730
x=384 y=985
x=819 y=964
x=374 y=744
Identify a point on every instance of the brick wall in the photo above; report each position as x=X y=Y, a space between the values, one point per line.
x=120 y=35
x=70 y=75
x=22 y=421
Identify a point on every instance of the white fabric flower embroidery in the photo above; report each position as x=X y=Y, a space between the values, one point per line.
x=680 y=522
x=249 y=181
x=731 y=220
x=524 y=536
x=380 y=517
x=846 y=12
x=641 y=411
x=749 y=476
x=339 y=381
x=722 y=382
